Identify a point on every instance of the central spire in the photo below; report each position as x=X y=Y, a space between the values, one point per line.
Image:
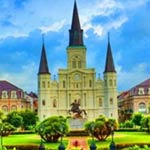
x=76 y=33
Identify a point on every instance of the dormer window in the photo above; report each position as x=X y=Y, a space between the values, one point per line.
x=13 y=94
x=141 y=91
x=4 y=94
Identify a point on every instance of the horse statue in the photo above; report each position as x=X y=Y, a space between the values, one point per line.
x=75 y=110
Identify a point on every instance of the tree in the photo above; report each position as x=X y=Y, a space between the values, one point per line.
x=15 y=119
x=52 y=128
x=6 y=128
x=145 y=123
x=29 y=119
x=136 y=118
x=101 y=128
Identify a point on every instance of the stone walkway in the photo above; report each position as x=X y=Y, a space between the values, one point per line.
x=78 y=143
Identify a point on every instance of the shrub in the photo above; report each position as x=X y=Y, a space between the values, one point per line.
x=6 y=129
x=128 y=124
x=101 y=128
x=52 y=128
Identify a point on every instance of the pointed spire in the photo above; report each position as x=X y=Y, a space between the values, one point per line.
x=76 y=33
x=75 y=19
x=109 y=66
x=43 y=68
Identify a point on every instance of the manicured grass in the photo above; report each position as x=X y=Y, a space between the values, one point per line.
x=27 y=139
x=125 y=138
x=119 y=138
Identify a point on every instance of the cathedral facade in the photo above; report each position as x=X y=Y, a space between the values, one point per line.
x=77 y=82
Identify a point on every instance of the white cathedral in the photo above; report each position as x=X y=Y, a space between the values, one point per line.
x=77 y=81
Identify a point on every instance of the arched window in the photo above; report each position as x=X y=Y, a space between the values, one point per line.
x=5 y=108
x=90 y=83
x=142 y=107
x=54 y=103
x=4 y=94
x=43 y=84
x=73 y=64
x=111 y=101
x=100 y=102
x=79 y=64
x=48 y=84
x=64 y=84
x=43 y=102
x=110 y=82
x=13 y=94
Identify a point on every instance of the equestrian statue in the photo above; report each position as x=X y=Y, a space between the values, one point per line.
x=76 y=110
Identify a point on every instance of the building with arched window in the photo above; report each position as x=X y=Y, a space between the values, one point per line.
x=137 y=99
x=13 y=98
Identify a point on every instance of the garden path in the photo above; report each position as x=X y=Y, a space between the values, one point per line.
x=79 y=143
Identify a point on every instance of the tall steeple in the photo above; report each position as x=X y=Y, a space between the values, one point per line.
x=43 y=68
x=109 y=66
x=76 y=33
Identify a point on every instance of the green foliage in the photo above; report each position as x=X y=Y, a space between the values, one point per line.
x=29 y=119
x=52 y=128
x=101 y=128
x=145 y=123
x=6 y=128
x=15 y=119
x=136 y=118
x=128 y=124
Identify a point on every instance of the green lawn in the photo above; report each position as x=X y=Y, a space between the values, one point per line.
x=125 y=137
x=27 y=139
x=119 y=137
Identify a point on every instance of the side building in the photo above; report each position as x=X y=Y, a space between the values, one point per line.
x=13 y=98
x=136 y=99
x=77 y=82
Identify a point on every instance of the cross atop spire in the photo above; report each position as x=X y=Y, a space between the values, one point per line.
x=43 y=68
x=109 y=66
x=76 y=33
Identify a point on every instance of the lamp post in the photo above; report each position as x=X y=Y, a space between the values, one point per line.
x=41 y=147
x=112 y=144
x=1 y=133
x=92 y=145
x=61 y=146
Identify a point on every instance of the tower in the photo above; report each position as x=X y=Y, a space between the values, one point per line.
x=76 y=51
x=43 y=85
x=110 y=85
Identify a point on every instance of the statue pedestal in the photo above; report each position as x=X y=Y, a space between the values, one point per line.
x=76 y=124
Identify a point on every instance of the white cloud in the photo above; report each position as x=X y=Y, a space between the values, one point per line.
x=54 y=27
x=39 y=14
x=130 y=78
x=25 y=79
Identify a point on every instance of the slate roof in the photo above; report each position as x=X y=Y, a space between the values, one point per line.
x=145 y=85
x=5 y=85
x=134 y=91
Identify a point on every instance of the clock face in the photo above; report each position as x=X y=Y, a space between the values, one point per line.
x=77 y=77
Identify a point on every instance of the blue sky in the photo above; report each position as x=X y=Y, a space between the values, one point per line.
x=22 y=23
